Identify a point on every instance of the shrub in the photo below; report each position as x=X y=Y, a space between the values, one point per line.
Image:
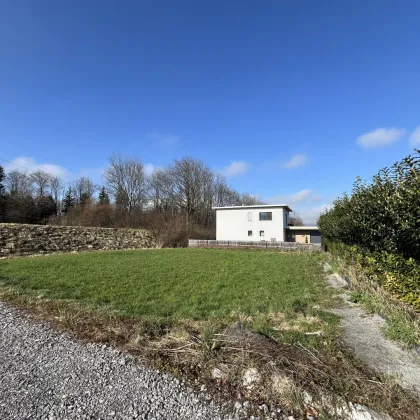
x=378 y=228
x=396 y=274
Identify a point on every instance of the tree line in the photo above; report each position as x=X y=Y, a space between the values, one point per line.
x=177 y=198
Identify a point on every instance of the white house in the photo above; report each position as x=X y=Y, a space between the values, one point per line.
x=268 y=222
x=252 y=223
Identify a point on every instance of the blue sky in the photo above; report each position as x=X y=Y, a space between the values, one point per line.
x=290 y=99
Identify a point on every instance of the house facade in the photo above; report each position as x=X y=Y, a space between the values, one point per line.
x=268 y=222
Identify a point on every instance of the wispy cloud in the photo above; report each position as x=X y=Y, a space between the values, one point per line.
x=311 y=216
x=415 y=138
x=163 y=139
x=149 y=168
x=380 y=137
x=302 y=203
x=28 y=164
x=301 y=197
x=295 y=162
x=235 y=169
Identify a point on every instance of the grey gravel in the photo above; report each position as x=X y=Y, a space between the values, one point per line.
x=48 y=375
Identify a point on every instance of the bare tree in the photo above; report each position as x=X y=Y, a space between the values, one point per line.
x=18 y=183
x=188 y=176
x=250 y=200
x=125 y=178
x=157 y=183
x=84 y=189
x=206 y=212
x=223 y=195
x=295 y=220
x=56 y=186
x=41 y=179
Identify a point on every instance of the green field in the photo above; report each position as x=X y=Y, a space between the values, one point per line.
x=176 y=283
x=174 y=308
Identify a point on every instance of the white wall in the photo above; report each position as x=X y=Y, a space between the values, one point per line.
x=233 y=224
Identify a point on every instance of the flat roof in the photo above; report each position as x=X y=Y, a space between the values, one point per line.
x=302 y=227
x=254 y=206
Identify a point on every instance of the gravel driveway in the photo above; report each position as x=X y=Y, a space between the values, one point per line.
x=47 y=375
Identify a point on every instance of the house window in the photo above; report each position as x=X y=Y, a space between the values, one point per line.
x=249 y=232
x=250 y=216
x=261 y=233
x=266 y=215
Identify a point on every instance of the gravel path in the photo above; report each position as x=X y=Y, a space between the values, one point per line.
x=362 y=332
x=47 y=375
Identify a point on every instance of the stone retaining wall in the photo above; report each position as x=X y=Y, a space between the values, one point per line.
x=20 y=239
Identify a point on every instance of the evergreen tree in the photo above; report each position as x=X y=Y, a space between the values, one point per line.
x=2 y=178
x=45 y=208
x=83 y=198
x=103 y=196
x=68 y=201
x=2 y=195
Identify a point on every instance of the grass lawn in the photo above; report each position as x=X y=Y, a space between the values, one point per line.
x=175 y=308
x=176 y=283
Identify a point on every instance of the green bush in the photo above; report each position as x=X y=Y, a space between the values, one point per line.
x=396 y=274
x=377 y=227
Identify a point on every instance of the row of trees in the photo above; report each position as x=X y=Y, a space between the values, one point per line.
x=34 y=197
x=24 y=197
x=185 y=191
x=187 y=186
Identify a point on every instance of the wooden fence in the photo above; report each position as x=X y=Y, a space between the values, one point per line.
x=283 y=246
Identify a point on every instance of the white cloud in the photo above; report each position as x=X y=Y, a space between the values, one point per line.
x=294 y=162
x=380 y=137
x=236 y=169
x=28 y=164
x=310 y=216
x=415 y=138
x=301 y=204
x=303 y=196
x=149 y=168
x=163 y=139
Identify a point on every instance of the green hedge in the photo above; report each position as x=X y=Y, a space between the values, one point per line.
x=381 y=216
x=398 y=275
x=378 y=226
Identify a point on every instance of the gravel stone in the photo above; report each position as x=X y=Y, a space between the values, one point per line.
x=48 y=375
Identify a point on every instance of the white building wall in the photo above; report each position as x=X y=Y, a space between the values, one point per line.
x=233 y=224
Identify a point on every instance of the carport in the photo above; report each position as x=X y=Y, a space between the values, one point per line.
x=303 y=234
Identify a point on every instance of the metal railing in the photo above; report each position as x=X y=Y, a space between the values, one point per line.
x=285 y=246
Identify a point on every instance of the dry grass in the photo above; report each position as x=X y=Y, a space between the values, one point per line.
x=191 y=349
x=403 y=323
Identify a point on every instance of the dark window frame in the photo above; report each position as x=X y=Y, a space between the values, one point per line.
x=266 y=216
x=249 y=232
x=261 y=231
